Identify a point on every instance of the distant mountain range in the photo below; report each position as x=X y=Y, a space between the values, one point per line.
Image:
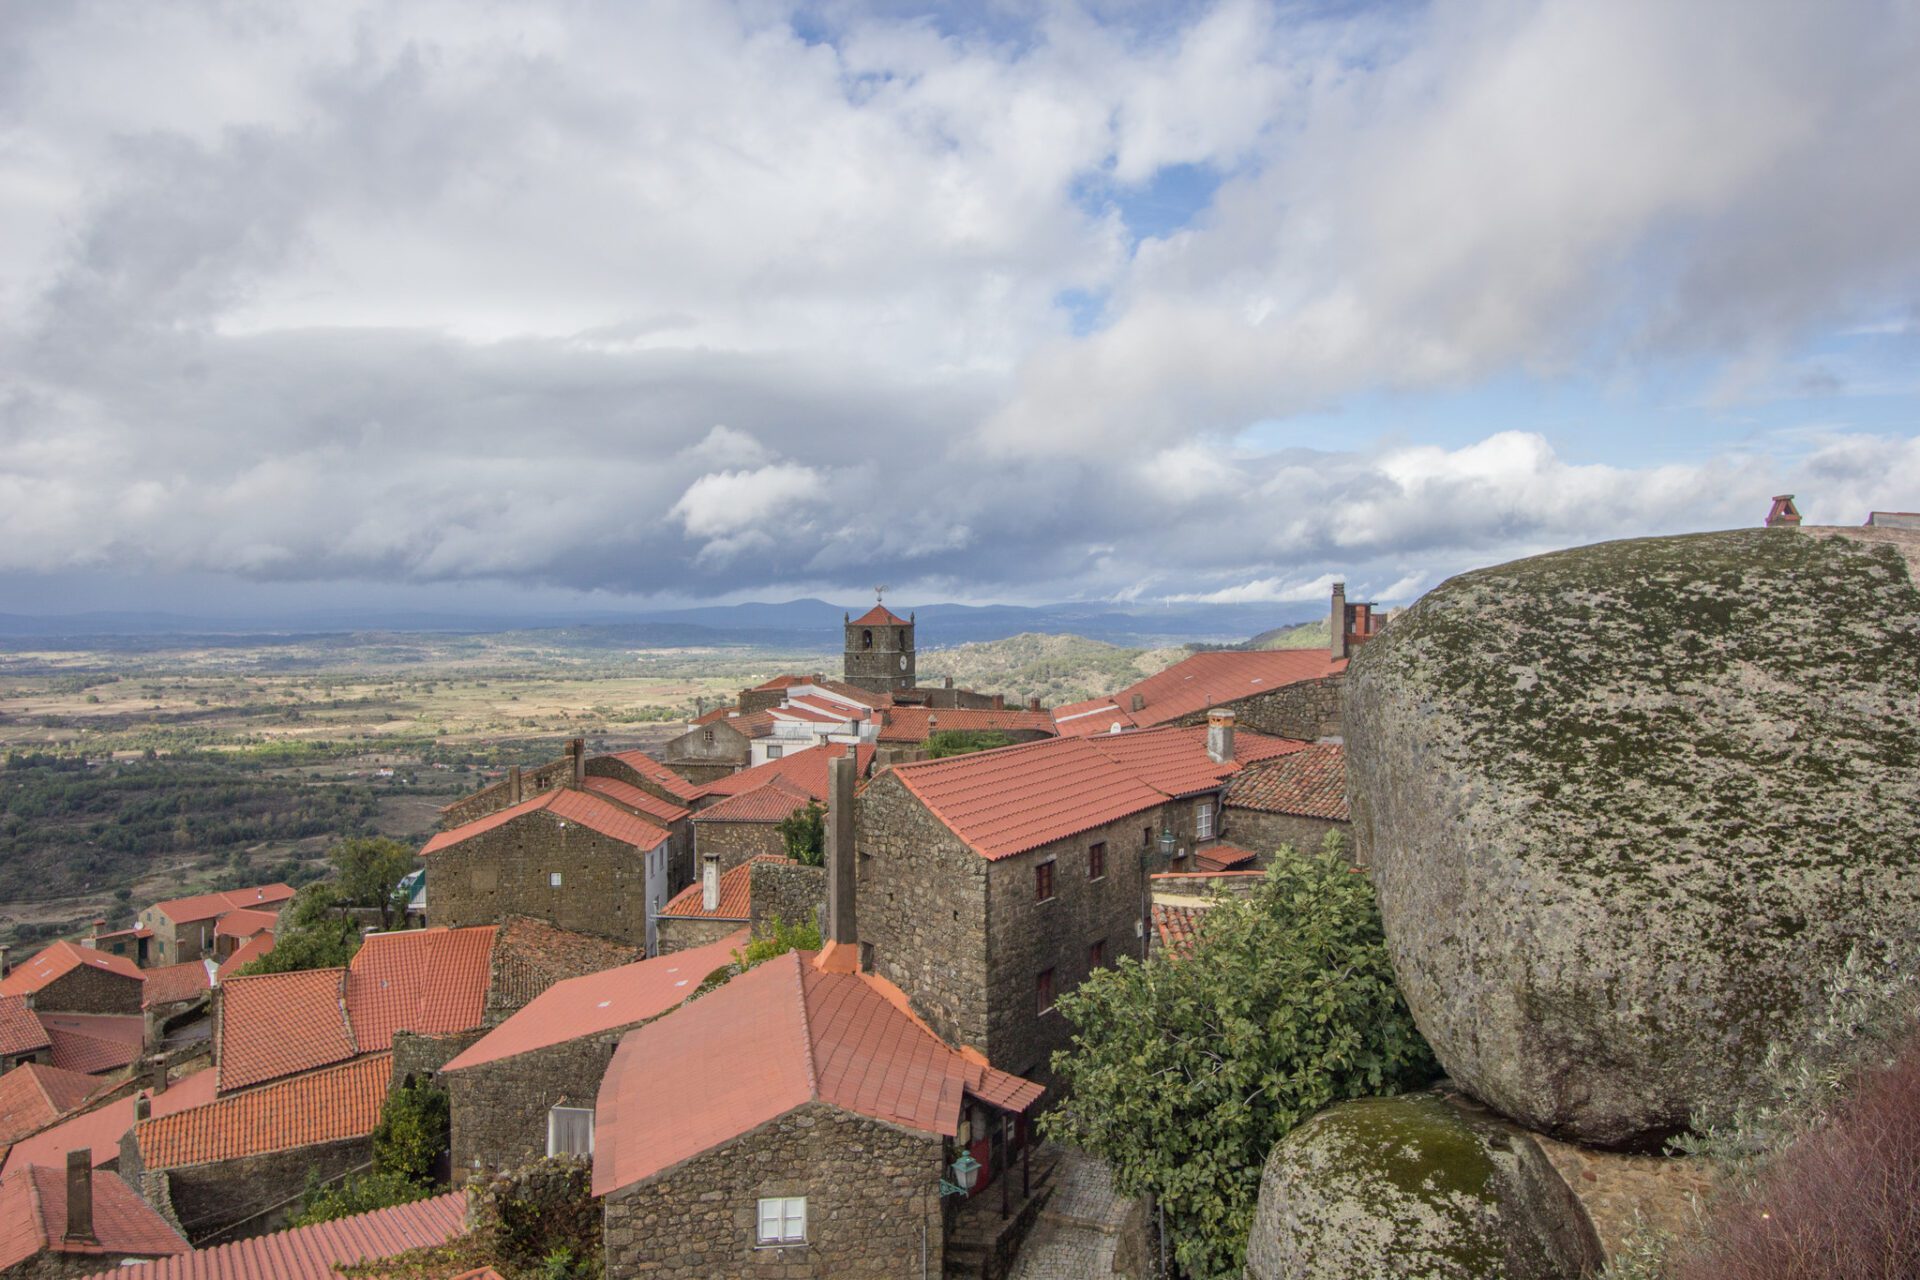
x=794 y=624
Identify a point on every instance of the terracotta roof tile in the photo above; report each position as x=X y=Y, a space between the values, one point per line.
x=275 y=1024
x=773 y=801
x=245 y=923
x=1310 y=783
x=805 y=769
x=20 y=1031
x=172 y=983
x=754 y=724
x=778 y=683
x=565 y=804
x=321 y=1106
x=880 y=616
x=1197 y=683
x=851 y=692
x=57 y=961
x=101 y=1129
x=629 y=796
x=736 y=895
x=659 y=775
x=1177 y=926
x=808 y=711
x=532 y=955
x=313 y=1253
x=1013 y=799
x=94 y=1043
x=775 y=1037
x=1176 y=761
x=35 y=1096
x=205 y=906
x=911 y=724
x=600 y=1002
x=428 y=980
x=33 y=1219
x=1223 y=857
x=246 y=953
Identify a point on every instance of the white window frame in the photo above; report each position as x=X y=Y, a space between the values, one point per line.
x=553 y=1114
x=1203 y=820
x=788 y=1215
x=555 y=880
x=775 y=751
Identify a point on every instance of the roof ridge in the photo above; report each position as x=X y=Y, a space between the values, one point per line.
x=806 y=1025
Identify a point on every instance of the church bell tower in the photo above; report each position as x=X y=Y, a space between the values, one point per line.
x=879 y=649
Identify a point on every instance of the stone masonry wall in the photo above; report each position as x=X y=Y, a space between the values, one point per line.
x=232 y=1198
x=921 y=903
x=86 y=989
x=418 y=1057
x=506 y=871
x=717 y=744
x=795 y=893
x=499 y=1109
x=47 y=1265
x=872 y=1200
x=736 y=842
x=682 y=933
x=1308 y=709
x=1264 y=832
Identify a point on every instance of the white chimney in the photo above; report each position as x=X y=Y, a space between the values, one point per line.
x=1220 y=736
x=710 y=882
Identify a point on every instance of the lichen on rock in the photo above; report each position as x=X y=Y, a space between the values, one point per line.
x=1625 y=803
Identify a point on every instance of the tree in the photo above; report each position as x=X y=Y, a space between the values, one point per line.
x=1184 y=1073
x=314 y=934
x=370 y=870
x=805 y=834
x=413 y=1132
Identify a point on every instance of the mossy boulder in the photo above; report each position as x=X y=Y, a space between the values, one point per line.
x=1417 y=1188
x=1625 y=803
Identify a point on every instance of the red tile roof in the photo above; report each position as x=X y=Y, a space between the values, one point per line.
x=312 y=1253
x=1197 y=683
x=659 y=775
x=911 y=724
x=851 y=692
x=805 y=769
x=600 y=1002
x=94 y=1043
x=566 y=805
x=245 y=923
x=20 y=1031
x=771 y=802
x=1177 y=926
x=33 y=1219
x=779 y=682
x=809 y=713
x=628 y=796
x=427 y=980
x=736 y=895
x=778 y=1036
x=1018 y=798
x=1176 y=761
x=172 y=983
x=1311 y=783
x=57 y=961
x=322 y=1106
x=1223 y=857
x=246 y=953
x=880 y=616
x=101 y=1129
x=275 y=1024
x=531 y=955
x=34 y=1096
x=205 y=906
x=753 y=724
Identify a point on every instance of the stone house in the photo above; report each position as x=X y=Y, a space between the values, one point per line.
x=529 y=956
x=241 y=1161
x=738 y=828
x=812 y=1124
x=527 y=1088
x=174 y=990
x=904 y=730
x=37 y=1096
x=717 y=747
x=718 y=906
x=1296 y=799
x=135 y=943
x=60 y=1224
x=68 y=978
x=98 y=1128
x=95 y=1044
x=183 y=928
x=23 y=1037
x=237 y=928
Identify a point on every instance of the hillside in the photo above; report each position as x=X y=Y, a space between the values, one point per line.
x=1302 y=635
x=1055 y=669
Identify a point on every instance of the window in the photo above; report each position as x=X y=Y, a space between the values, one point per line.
x=1043 y=881
x=774 y=753
x=783 y=1220
x=1146 y=837
x=866 y=639
x=1096 y=955
x=1203 y=820
x=706 y=737
x=1096 y=860
x=553 y=880
x=1043 y=991
x=570 y=1131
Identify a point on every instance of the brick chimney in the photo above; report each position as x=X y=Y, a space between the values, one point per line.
x=1337 y=623
x=709 y=882
x=999 y=702
x=1033 y=705
x=577 y=752
x=80 y=1197
x=1220 y=735
x=843 y=926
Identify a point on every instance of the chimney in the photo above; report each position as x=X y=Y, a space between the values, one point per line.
x=142 y=1108
x=1137 y=703
x=999 y=702
x=93 y=939
x=159 y=1081
x=1033 y=705
x=947 y=683
x=1220 y=736
x=819 y=677
x=709 y=882
x=513 y=785
x=933 y=724
x=1337 y=624
x=842 y=923
x=577 y=749
x=6 y=966
x=80 y=1196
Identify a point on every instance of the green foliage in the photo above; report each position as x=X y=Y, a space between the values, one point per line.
x=1053 y=668
x=313 y=934
x=804 y=831
x=784 y=938
x=413 y=1132
x=357 y=1193
x=1184 y=1074
x=370 y=869
x=960 y=742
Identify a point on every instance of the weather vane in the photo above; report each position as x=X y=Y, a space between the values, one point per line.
x=879 y=594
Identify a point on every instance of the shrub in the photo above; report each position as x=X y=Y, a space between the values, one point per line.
x=413 y=1132
x=357 y=1193
x=804 y=832
x=784 y=938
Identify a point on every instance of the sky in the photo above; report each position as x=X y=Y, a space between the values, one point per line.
x=465 y=305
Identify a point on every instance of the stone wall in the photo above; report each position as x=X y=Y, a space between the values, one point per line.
x=499 y=795
x=682 y=933
x=1201 y=886
x=47 y=1265
x=736 y=842
x=873 y=1203
x=248 y=1197
x=418 y=1057
x=1308 y=709
x=499 y=1109
x=1264 y=832
x=718 y=744
x=85 y=989
x=796 y=894
x=506 y=871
